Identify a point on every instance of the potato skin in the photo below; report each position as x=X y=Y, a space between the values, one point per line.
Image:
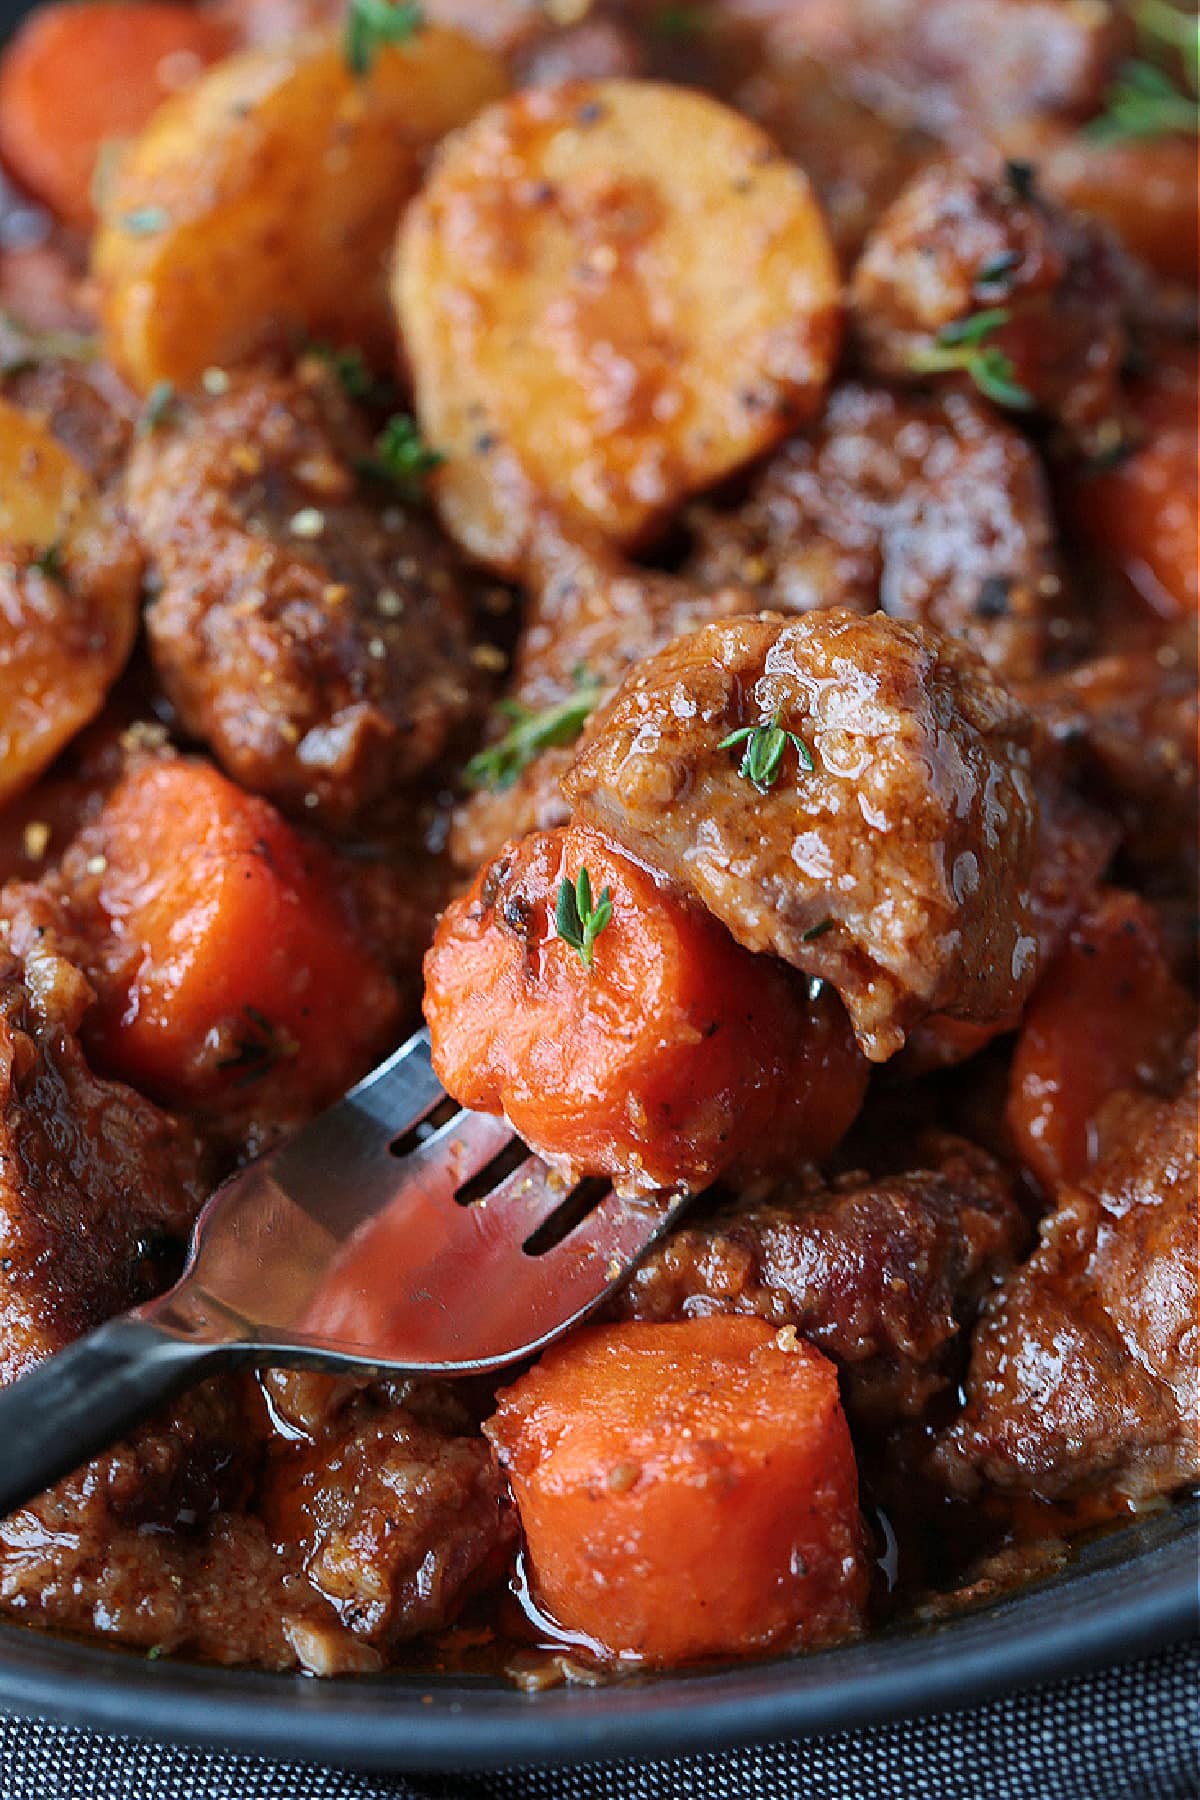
x=70 y=579
x=278 y=179
x=612 y=294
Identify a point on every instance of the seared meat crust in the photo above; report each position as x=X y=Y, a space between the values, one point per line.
x=591 y=618
x=898 y=868
x=315 y=638
x=957 y=243
x=1084 y=1369
x=882 y=1272
x=930 y=510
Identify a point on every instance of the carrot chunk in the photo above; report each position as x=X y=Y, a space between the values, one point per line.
x=1142 y=512
x=78 y=76
x=1107 y=1015
x=686 y=1490
x=226 y=954
x=662 y=1059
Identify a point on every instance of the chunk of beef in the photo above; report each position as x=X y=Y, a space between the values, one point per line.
x=932 y=510
x=857 y=159
x=897 y=867
x=97 y=1187
x=882 y=1272
x=1127 y=721
x=956 y=67
x=958 y=244
x=93 y=1178
x=397 y=1519
x=314 y=636
x=1075 y=843
x=591 y=618
x=1083 y=1369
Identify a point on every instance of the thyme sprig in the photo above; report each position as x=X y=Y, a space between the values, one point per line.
x=373 y=24
x=963 y=347
x=765 y=746
x=1158 y=94
x=1144 y=102
x=403 y=456
x=577 y=921
x=498 y=765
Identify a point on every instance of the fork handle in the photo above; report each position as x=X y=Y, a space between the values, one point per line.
x=80 y=1401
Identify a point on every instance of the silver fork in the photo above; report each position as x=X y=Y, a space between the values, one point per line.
x=375 y=1239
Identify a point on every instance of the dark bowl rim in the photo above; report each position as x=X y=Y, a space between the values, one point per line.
x=1132 y=1592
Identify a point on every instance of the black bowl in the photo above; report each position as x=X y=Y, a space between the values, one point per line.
x=1130 y=1592
x=1127 y=1593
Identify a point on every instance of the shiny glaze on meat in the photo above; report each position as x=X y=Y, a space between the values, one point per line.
x=897 y=868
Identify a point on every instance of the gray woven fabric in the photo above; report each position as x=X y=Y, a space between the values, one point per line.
x=1129 y=1733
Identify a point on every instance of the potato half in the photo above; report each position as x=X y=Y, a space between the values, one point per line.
x=612 y=294
x=266 y=197
x=70 y=578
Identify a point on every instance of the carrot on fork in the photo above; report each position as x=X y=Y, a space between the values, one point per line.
x=621 y=1031
x=78 y=76
x=686 y=1490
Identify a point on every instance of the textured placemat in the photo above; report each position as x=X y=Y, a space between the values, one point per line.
x=1128 y=1733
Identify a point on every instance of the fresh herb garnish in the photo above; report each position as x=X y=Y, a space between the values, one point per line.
x=160 y=404
x=49 y=564
x=762 y=759
x=355 y=374
x=1154 y=98
x=498 y=765
x=576 y=921
x=962 y=346
x=403 y=456
x=144 y=221
x=818 y=930
x=373 y=24
x=261 y=1047
x=1144 y=102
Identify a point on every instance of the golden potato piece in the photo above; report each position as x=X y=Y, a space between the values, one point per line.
x=266 y=196
x=70 y=577
x=612 y=293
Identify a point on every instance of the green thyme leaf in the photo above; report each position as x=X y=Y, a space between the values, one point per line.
x=818 y=930
x=372 y=24
x=499 y=764
x=403 y=456
x=765 y=746
x=1144 y=102
x=160 y=404
x=1156 y=94
x=576 y=920
x=962 y=348
x=353 y=371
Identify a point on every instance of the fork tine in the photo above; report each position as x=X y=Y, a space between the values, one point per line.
x=454 y=1153
x=525 y=1199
